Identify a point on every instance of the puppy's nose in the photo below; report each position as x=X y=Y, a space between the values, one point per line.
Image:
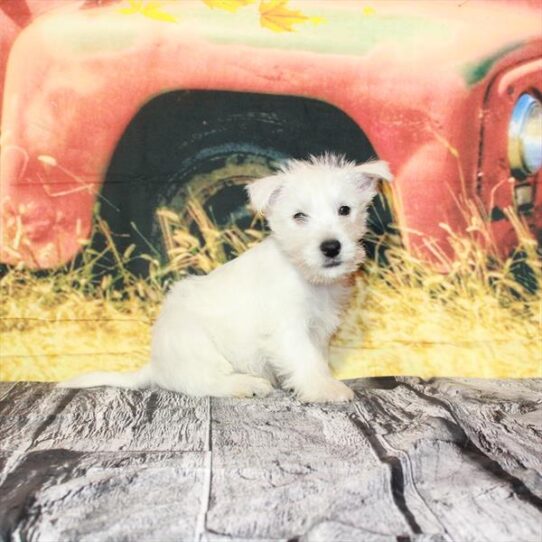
x=330 y=248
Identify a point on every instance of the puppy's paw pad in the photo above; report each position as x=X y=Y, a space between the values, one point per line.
x=328 y=391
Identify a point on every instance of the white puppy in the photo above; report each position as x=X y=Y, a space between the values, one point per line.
x=266 y=318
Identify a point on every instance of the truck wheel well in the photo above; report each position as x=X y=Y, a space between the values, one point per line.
x=179 y=116
x=178 y=134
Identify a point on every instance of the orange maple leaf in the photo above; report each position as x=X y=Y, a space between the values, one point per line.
x=152 y=10
x=275 y=15
x=229 y=5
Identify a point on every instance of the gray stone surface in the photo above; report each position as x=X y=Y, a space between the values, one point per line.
x=438 y=460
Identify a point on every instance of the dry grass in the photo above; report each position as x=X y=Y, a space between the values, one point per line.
x=404 y=318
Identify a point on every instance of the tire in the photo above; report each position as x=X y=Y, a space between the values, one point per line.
x=209 y=145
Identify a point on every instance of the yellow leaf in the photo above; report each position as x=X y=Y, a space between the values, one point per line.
x=275 y=15
x=368 y=11
x=152 y=11
x=134 y=7
x=229 y=5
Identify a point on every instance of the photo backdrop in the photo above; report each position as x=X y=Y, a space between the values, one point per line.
x=130 y=129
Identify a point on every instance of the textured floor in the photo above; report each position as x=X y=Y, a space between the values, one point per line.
x=408 y=460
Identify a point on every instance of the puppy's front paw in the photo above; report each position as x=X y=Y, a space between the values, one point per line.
x=251 y=386
x=328 y=390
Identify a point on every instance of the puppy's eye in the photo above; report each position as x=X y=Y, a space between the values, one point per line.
x=344 y=210
x=300 y=217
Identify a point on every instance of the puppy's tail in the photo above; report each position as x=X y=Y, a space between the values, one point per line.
x=134 y=380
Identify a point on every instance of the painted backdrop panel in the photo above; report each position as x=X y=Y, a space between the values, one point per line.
x=130 y=128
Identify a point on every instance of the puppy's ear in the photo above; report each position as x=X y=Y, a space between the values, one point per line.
x=370 y=173
x=263 y=192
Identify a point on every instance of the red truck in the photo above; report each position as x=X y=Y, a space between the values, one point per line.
x=136 y=105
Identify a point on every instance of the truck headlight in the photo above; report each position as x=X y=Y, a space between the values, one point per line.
x=525 y=137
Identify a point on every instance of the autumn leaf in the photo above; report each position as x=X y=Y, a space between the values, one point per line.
x=275 y=15
x=151 y=10
x=229 y=5
x=134 y=7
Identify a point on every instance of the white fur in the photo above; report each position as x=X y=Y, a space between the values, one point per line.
x=265 y=318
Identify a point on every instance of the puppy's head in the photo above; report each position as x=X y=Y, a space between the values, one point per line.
x=317 y=210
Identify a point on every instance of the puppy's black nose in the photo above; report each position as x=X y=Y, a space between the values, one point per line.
x=330 y=248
